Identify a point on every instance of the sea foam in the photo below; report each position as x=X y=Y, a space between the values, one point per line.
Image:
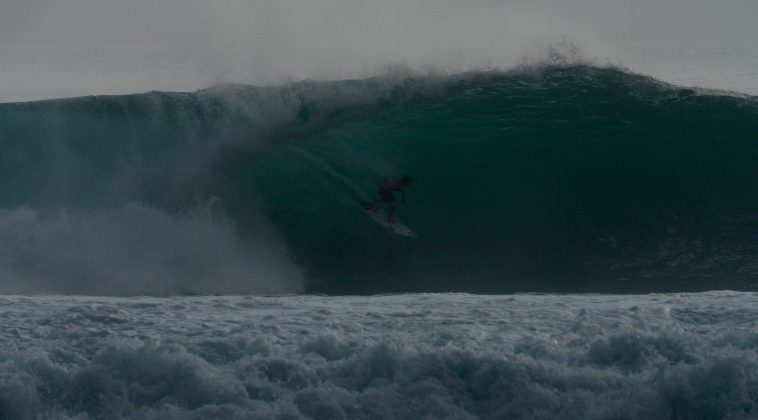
x=398 y=356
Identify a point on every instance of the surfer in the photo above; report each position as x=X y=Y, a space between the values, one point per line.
x=386 y=196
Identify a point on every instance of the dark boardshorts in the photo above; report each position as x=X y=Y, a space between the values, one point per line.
x=386 y=196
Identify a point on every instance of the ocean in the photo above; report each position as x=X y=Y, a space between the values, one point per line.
x=586 y=249
x=456 y=356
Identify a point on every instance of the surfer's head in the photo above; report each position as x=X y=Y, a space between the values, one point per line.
x=406 y=180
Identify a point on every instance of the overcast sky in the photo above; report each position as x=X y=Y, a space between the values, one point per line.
x=55 y=48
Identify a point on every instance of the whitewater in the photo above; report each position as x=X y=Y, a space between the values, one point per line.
x=392 y=356
x=586 y=250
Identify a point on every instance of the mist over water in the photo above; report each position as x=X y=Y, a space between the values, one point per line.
x=115 y=196
x=136 y=250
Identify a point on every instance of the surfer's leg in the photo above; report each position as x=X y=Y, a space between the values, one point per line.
x=385 y=197
x=391 y=212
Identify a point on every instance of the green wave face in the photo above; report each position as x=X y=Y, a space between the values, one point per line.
x=573 y=180
x=562 y=179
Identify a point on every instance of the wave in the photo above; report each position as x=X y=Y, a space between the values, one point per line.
x=402 y=356
x=568 y=178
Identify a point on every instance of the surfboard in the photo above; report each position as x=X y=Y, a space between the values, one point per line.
x=379 y=215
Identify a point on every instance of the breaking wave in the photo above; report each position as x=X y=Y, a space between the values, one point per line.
x=569 y=178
